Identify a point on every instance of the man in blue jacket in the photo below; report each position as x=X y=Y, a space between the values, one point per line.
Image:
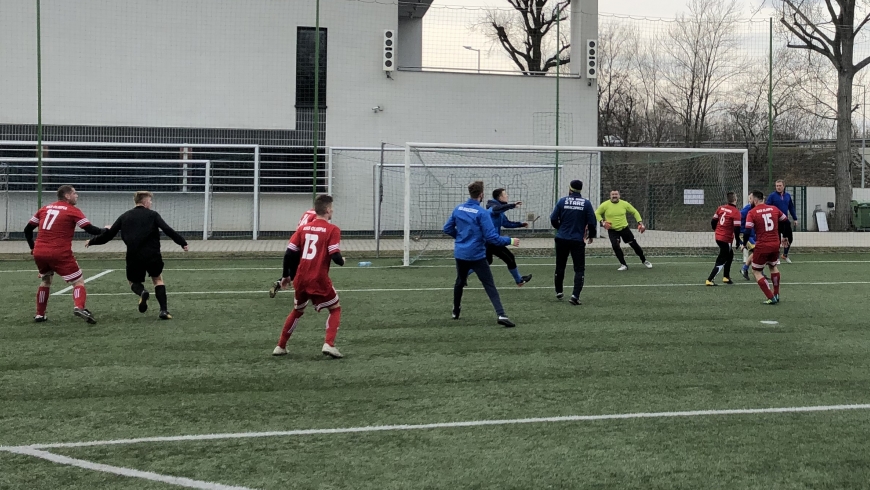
x=782 y=200
x=497 y=207
x=574 y=221
x=471 y=227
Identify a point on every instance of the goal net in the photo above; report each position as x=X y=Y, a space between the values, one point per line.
x=675 y=190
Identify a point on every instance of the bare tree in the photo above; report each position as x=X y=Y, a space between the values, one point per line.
x=828 y=29
x=747 y=117
x=526 y=33
x=618 y=97
x=702 y=54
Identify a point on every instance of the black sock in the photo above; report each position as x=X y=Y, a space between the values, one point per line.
x=160 y=292
x=137 y=288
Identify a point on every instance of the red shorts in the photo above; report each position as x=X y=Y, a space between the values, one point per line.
x=64 y=264
x=301 y=299
x=761 y=259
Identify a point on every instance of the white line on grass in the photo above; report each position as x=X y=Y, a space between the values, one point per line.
x=448 y=266
x=587 y=286
x=446 y=425
x=101 y=274
x=128 y=472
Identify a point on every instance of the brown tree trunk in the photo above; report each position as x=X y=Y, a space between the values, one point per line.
x=843 y=178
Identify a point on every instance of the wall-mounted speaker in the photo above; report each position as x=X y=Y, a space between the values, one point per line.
x=591 y=58
x=389 y=63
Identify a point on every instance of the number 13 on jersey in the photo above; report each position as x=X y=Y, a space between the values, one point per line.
x=309 y=250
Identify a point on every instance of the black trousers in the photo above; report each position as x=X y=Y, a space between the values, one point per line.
x=481 y=268
x=626 y=236
x=577 y=250
x=723 y=260
x=503 y=253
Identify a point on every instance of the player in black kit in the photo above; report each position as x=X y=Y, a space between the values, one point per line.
x=140 y=229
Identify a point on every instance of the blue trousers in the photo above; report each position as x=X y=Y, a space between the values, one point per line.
x=481 y=268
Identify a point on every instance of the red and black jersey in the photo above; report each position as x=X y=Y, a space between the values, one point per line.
x=727 y=222
x=57 y=224
x=765 y=220
x=315 y=242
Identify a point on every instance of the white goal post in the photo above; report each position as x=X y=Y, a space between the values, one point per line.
x=675 y=187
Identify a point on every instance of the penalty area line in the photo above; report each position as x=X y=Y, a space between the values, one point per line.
x=101 y=274
x=121 y=471
x=587 y=286
x=445 y=425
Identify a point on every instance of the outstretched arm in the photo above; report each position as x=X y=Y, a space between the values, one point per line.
x=171 y=233
x=106 y=235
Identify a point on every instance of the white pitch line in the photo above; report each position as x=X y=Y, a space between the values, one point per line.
x=444 y=425
x=128 y=472
x=445 y=266
x=587 y=286
x=101 y=274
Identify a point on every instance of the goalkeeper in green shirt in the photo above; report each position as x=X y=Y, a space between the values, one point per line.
x=612 y=217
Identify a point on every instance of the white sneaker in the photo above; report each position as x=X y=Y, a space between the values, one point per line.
x=331 y=351
x=787 y=260
x=623 y=268
x=279 y=351
x=647 y=264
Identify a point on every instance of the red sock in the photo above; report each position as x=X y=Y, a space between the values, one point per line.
x=332 y=325
x=42 y=300
x=289 y=327
x=762 y=283
x=79 y=296
x=774 y=276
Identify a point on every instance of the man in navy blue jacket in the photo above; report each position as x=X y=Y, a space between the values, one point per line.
x=574 y=221
x=497 y=207
x=782 y=200
x=471 y=226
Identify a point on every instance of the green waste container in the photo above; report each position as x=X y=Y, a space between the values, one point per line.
x=861 y=215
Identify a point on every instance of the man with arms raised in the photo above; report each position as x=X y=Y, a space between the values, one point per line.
x=52 y=251
x=140 y=229
x=611 y=216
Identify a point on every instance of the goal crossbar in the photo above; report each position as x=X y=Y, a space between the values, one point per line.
x=591 y=150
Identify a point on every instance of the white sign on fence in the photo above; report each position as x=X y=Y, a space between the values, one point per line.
x=693 y=196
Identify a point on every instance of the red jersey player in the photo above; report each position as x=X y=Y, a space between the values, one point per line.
x=306 y=263
x=307 y=216
x=726 y=222
x=52 y=251
x=766 y=220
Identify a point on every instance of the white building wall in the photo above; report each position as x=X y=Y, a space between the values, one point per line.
x=163 y=63
x=230 y=64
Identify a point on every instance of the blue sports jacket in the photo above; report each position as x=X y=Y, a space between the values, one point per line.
x=743 y=213
x=784 y=202
x=496 y=210
x=472 y=227
x=572 y=216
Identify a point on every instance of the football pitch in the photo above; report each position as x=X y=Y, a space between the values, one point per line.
x=654 y=382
